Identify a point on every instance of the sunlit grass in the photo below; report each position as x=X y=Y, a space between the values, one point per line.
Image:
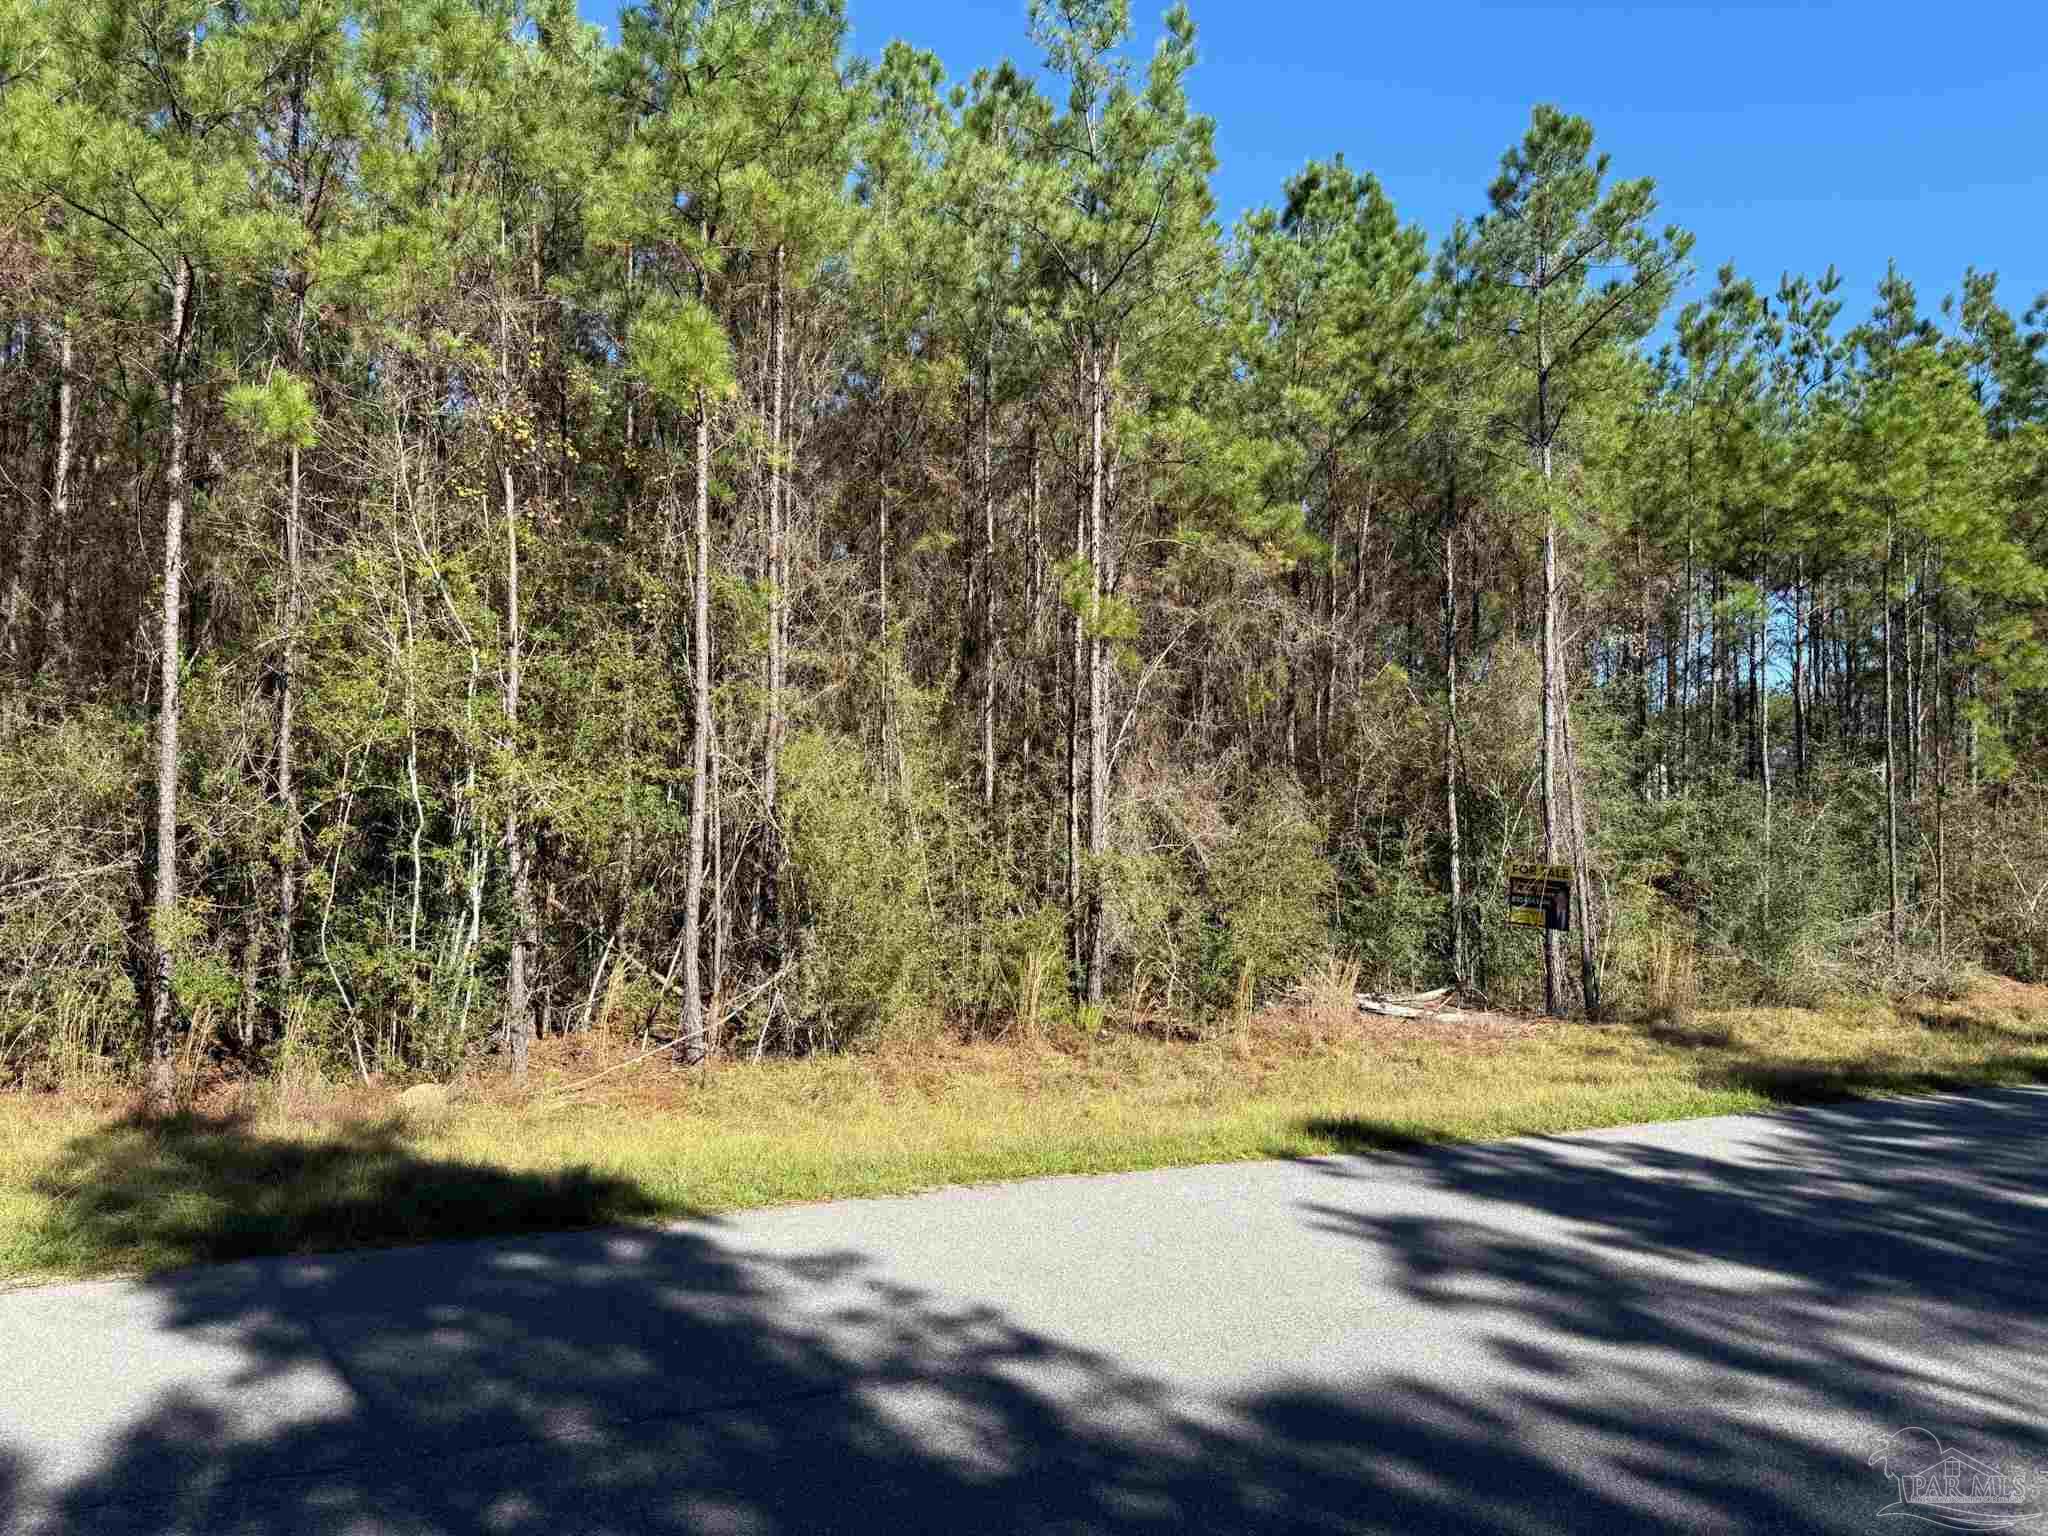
x=86 y=1189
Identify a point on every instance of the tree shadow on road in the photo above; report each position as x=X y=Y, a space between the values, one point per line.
x=1862 y=1267
x=676 y=1381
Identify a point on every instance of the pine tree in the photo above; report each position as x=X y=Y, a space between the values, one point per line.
x=138 y=134
x=1119 y=208
x=1552 y=230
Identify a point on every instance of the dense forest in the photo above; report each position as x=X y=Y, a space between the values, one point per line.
x=505 y=528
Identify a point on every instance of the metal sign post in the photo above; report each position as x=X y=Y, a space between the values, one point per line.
x=1540 y=896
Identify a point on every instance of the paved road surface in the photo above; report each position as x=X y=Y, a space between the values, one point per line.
x=1695 y=1327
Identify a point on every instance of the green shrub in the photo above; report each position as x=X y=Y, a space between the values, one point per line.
x=865 y=912
x=1270 y=892
x=1394 y=919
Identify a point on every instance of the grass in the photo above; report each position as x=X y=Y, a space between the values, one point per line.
x=88 y=1188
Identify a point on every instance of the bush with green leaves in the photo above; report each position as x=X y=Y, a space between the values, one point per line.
x=68 y=818
x=1270 y=889
x=1393 y=917
x=864 y=905
x=1996 y=877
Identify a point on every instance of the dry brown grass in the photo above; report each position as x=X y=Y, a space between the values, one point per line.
x=1671 y=984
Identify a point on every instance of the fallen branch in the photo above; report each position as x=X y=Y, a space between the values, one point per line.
x=1413 y=999
x=1367 y=1003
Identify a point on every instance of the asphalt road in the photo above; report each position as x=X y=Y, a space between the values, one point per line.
x=1707 y=1326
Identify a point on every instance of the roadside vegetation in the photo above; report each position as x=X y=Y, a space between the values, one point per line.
x=88 y=1186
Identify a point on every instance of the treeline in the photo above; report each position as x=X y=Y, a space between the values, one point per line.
x=506 y=529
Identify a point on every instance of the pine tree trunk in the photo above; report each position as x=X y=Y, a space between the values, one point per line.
x=54 y=576
x=1944 y=684
x=1799 y=673
x=1076 y=920
x=1752 y=748
x=1761 y=665
x=17 y=607
x=1076 y=664
x=518 y=1001
x=1687 y=665
x=1642 y=662
x=1033 y=627
x=1849 y=710
x=778 y=609
x=700 y=741
x=1891 y=771
x=158 y=999
x=1582 y=867
x=1358 y=614
x=287 y=785
x=887 y=654
x=1824 y=663
x=1457 y=895
x=1670 y=702
x=1098 y=693
x=1038 y=583
x=1920 y=688
x=1716 y=648
x=1326 y=684
x=1553 y=1004
x=631 y=438
x=1969 y=740
x=287 y=679
x=714 y=877
x=988 y=588
x=1910 y=690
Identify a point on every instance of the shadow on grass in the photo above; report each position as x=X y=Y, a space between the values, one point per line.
x=1538 y=1337
x=1789 y=1084
x=153 y=1194
x=1362 y=1133
x=2005 y=1053
x=1831 y=1082
x=1969 y=1026
x=1689 y=1036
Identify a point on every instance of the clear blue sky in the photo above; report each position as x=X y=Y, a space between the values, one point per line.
x=1785 y=135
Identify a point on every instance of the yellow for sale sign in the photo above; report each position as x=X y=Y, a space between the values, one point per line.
x=1540 y=895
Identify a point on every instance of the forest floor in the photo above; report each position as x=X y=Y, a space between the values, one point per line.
x=89 y=1188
